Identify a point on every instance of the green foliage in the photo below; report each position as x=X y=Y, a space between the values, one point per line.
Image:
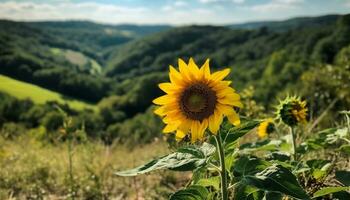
x=194 y=192
x=184 y=159
x=329 y=190
x=252 y=175
x=277 y=179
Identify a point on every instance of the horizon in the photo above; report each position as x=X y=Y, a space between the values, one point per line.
x=172 y=25
x=174 y=13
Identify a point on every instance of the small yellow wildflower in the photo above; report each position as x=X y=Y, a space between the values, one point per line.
x=265 y=128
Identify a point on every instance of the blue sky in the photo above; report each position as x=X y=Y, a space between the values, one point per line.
x=176 y=12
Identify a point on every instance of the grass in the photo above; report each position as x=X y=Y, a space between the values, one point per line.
x=32 y=169
x=23 y=90
x=79 y=59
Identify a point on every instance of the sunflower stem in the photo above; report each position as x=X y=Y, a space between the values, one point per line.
x=223 y=175
x=293 y=143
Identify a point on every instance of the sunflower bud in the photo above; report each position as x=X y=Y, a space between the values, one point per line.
x=292 y=111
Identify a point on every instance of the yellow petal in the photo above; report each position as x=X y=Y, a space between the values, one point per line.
x=220 y=75
x=171 y=127
x=224 y=109
x=202 y=128
x=231 y=99
x=205 y=70
x=175 y=76
x=185 y=125
x=226 y=91
x=168 y=88
x=184 y=70
x=173 y=116
x=160 y=111
x=164 y=100
x=215 y=121
x=217 y=86
x=195 y=130
x=179 y=135
x=194 y=70
x=170 y=107
x=234 y=118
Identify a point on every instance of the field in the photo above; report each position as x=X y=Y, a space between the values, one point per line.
x=36 y=170
x=38 y=94
x=79 y=59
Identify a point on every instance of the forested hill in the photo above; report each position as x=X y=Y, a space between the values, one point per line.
x=67 y=57
x=90 y=61
x=289 y=24
x=255 y=55
x=118 y=68
x=97 y=36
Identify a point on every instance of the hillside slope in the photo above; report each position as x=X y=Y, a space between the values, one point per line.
x=286 y=25
x=22 y=90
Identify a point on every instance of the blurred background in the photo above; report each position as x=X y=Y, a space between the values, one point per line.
x=77 y=80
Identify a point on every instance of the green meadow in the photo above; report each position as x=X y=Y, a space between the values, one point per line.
x=39 y=95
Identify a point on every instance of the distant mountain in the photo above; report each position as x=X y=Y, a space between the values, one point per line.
x=137 y=30
x=285 y=25
x=97 y=36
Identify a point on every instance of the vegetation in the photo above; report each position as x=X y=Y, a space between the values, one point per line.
x=38 y=95
x=38 y=170
x=103 y=79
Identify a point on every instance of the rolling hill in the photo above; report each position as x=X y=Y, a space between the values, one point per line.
x=22 y=90
x=118 y=68
x=286 y=25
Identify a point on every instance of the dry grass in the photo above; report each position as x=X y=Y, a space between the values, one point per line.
x=37 y=170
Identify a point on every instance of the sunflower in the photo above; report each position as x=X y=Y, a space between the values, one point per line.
x=196 y=100
x=265 y=128
x=292 y=111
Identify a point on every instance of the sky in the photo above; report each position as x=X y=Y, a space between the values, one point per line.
x=174 y=12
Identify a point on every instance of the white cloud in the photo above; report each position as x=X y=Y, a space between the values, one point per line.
x=106 y=13
x=175 y=5
x=277 y=5
x=68 y=10
x=220 y=1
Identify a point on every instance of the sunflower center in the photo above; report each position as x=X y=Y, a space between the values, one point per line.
x=198 y=101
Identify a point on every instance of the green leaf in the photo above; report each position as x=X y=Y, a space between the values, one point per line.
x=234 y=133
x=338 y=134
x=193 y=192
x=343 y=177
x=249 y=165
x=280 y=156
x=329 y=190
x=319 y=168
x=184 y=159
x=317 y=142
x=210 y=182
x=277 y=179
x=342 y=195
x=265 y=145
x=345 y=149
x=273 y=196
x=247 y=192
